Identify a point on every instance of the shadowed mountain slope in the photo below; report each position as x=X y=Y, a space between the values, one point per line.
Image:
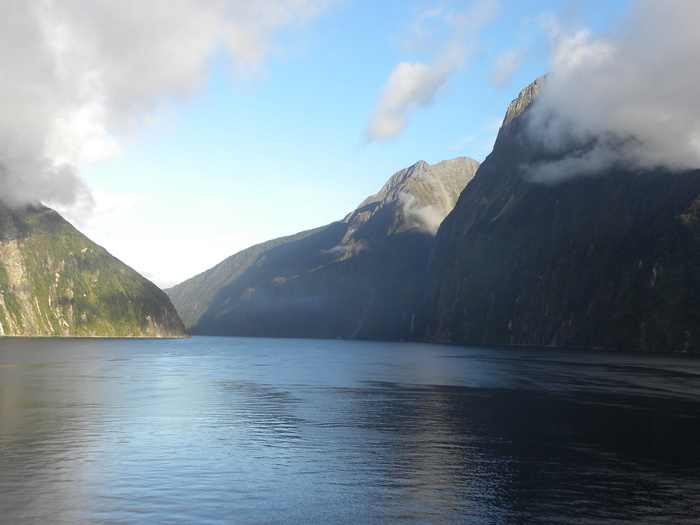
x=610 y=260
x=362 y=277
x=54 y=281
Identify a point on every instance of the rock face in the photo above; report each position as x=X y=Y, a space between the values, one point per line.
x=362 y=277
x=54 y=281
x=609 y=261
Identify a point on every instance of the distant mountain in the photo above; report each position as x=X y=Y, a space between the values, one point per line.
x=54 y=281
x=363 y=277
x=609 y=261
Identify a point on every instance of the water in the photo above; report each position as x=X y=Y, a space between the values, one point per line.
x=233 y=430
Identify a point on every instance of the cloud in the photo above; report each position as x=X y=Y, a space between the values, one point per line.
x=82 y=76
x=427 y=218
x=506 y=65
x=249 y=37
x=116 y=206
x=450 y=39
x=628 y=98
x=410 y=85
x=346 y=249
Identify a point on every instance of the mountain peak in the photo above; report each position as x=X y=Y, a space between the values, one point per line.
x=523 y=100
x=418 y=197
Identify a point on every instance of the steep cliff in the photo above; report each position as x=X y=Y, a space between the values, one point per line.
x=54 y=281
x=610 y=260
x=362 y=277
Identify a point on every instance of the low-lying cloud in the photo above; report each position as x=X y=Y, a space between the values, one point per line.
x=450 y=39
x=428 y=218
x=346 y=249
x=81 y=76
x=628 y=98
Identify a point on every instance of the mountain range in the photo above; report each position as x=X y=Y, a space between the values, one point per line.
x=361 y=277
x=610 y=260
x=454 y=252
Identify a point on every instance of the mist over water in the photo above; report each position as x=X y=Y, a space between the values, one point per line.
x=221 y=430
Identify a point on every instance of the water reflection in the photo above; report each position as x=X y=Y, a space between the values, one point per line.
x=46 y=452
x=448 y=454
x=215 y=430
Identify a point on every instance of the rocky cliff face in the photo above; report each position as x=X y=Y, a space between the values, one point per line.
x=610 y=260
x=362 y=277
x=54 y=281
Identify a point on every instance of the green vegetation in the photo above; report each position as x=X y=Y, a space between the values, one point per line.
x=55 y=281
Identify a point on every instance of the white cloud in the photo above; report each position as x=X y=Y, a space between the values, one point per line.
x=450 y=39
x=628 y=98
x=428 y=217
x=82 y=76
x=506 y=65
x=101 y=207
x=411 y=85
x=249 y=36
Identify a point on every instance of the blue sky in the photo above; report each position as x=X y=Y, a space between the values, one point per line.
x=241 y=155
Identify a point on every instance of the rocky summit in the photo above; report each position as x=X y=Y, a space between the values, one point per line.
x=54 y=281
x=362 y=277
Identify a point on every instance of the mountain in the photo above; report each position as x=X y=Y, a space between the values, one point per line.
x=54 y=281
x=363 y=277
x=609 y=260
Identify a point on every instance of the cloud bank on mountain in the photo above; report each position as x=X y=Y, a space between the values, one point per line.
x=624 y=98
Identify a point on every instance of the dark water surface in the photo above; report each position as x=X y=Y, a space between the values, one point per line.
x=230 y=430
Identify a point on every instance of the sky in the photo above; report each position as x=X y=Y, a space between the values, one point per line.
x=176 y=133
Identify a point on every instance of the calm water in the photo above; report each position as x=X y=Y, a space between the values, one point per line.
x=229 y=430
